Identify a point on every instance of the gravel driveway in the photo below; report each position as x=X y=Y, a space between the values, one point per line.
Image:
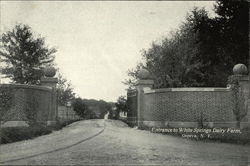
x=109 y=142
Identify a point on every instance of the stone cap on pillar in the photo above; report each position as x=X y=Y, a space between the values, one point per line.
x=145 y=79
x=145 y=82
x=48 y=79
x=240 y=72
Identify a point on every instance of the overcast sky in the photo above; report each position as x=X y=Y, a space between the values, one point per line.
x=98 y=41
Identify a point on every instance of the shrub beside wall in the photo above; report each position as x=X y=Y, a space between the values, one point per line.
x=14 y=134
x=6 y=101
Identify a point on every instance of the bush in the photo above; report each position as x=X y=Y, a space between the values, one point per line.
x=79 y=107
x=14 y=134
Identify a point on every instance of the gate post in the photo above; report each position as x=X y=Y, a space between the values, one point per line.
x=241 y=75
x=143 y=82
x=132 y=107
x=50 y=81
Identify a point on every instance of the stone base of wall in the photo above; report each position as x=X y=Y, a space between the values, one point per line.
x=14 y=124
x=132 y=121
x=225 y=124
x=51 y=122
x=169 y=124
x=176 y=124
x=155 y=123
x=244 y=124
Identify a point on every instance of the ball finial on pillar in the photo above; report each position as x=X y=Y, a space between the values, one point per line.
x=144 y=74
x=49 y=71
x=49 y=79
x=240 y=69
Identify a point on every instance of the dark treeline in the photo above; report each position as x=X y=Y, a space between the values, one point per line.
x=91 y=108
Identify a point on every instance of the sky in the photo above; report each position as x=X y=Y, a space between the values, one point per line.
x=98 y=41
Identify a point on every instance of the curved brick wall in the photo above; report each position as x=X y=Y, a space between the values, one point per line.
x=187 y=105
x=37 y=100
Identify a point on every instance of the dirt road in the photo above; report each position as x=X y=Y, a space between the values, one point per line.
x=108 y=142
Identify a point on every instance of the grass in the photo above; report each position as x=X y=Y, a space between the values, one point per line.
x=14 y=134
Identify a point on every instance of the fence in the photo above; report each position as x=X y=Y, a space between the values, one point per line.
x=67 y=113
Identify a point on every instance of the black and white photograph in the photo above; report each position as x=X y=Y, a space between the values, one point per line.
x=125 y=83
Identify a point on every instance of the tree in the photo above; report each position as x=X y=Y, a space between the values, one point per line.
x=121 y=106
x=222 y=41
x=99 y=107
x=64 y=90
x=171 y=61
x=233 y=18
x=210 y=71
x=24 y=55
x=80 y=108
x=133 y=74
x=203 y=51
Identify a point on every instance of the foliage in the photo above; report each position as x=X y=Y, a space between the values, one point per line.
x=24 y=55
x=105 y=107
x=14 y=134
x=64 y=91
x=233 y=19
x=121 y=106
x=91 y=109
x=171 y=61
x=99 y=107
x=222 y=41
x=133 y=74
x=202 y=51
x=6 y=97
x=90 y=114
x=79 y=107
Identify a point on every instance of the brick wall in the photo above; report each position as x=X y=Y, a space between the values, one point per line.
x=191 y=107
x=28 y=101
x=188 y=105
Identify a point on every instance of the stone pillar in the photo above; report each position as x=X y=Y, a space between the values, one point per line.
x=244 y=88
x=244 y=85
x=144 y=82
x=241 y=74
x=49 y=81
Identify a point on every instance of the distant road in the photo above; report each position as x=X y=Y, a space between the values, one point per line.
x=109 y=142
